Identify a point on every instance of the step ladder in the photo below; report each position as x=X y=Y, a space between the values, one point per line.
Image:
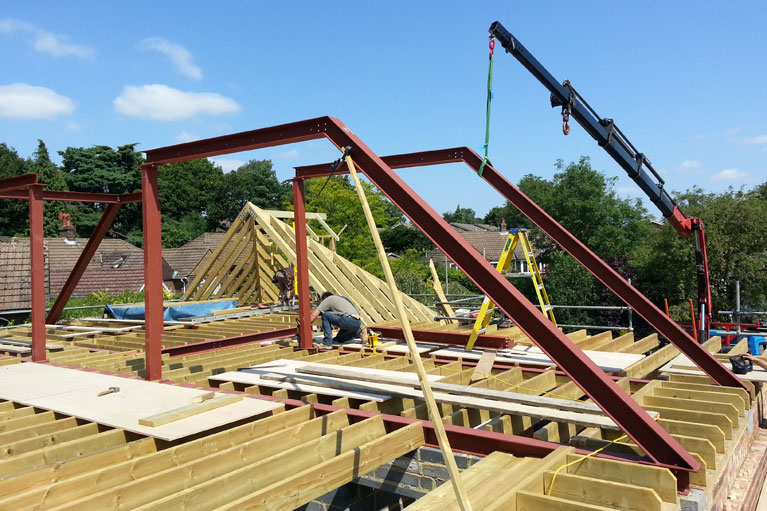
x=516 y=236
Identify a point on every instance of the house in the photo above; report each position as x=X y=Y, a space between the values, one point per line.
x=489 y=241
x=116 y=266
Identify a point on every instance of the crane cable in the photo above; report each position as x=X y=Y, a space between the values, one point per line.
x=487 y=114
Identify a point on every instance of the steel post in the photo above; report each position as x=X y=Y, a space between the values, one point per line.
x=37 y=271
x=302 y=264
x=153 y=306
x=82 y=262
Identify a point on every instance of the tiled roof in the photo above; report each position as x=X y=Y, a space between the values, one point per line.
x=115 y=267
x=14 y=274
x=488 y=244
x=473 y=227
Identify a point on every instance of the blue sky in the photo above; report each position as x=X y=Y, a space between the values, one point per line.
x=684 y=80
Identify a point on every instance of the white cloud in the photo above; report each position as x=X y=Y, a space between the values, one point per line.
x=24 y=101
x=690 y=165
x=228 y=164
x=758 y=140
x=729 y=175
x=162 y=103
x=46 y=42
x=731 y=132
x=178 y=55
x=185 y=136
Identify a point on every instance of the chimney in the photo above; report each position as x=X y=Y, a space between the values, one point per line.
x=503 y=225
x=67 y=230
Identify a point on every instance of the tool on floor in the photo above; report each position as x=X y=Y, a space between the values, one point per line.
x=740 y=365
x=110 y=390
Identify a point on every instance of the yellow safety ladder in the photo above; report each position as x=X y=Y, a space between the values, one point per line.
x=507 y=256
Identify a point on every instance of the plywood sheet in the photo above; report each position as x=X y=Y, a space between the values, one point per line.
x=75 y=392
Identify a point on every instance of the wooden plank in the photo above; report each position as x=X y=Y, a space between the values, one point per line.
x=445 y=308
x=300 y=488
x=652 y=362
x=642 y=346
x=611 y=494
x=725 y=409
x=527 y=501
x=188 y=410
x=659 y=479
x=122 y=490
x=708 y=431
x=738 y=402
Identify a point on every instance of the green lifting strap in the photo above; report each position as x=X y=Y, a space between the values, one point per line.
x=487 y=114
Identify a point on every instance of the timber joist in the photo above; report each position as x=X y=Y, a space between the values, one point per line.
x=279 y=462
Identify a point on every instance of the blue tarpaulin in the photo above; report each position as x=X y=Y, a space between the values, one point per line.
x=173 y=312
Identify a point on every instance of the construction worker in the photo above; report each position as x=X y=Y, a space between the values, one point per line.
x=340 y=312
x=284 y=280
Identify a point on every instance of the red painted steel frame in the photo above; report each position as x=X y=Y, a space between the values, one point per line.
x=452 y=338
x=10 y=184
x=214 y=344
x=302 y=265
x=601 y=270
x=153 y=311
x=55 y=195
x=37 y=271
x=82 y=262
x=659 y=445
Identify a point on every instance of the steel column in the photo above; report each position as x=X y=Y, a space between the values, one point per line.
x=572 y=245
x=152 y=272
x=659 y=445
x=82 y=262
x=37 y=271
x=302 y=264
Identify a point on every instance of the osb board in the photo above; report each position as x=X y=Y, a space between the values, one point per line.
x=74 y=392
x=532 y=355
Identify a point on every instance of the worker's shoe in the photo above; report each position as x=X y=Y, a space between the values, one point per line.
x=320 y=346
x=364 y=335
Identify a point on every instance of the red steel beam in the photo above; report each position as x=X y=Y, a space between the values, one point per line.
x=82 y=262
x=214 y=344
x=14 y=183
x=451 y=338
x=152 y=272
x=659 y=445
x=572 y=245
x=302 y=265
x=55 y=195
x=37 y=271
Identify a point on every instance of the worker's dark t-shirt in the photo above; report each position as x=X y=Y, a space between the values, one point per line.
x=339 y=306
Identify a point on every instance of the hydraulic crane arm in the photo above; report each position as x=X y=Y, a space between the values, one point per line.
x=612 y=140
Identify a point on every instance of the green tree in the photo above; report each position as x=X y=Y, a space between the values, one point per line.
x=101 y=169
x=401 y=238
x=254 y=182
x=14 y=214
x=337 y=197
x=736 y=239
x=189 y=191
x=461 y=215
x=54 y=177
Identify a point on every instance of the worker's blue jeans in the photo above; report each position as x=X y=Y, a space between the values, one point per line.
x=348 y=328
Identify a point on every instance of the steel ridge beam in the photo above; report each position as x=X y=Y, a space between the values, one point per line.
x=16 y=182
x=56 y=195
x=593 y=263
x=213 y=344
x=659 y=445
x=446 y=337
x=105 y=222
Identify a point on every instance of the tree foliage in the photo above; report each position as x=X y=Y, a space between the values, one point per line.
x=462 y=216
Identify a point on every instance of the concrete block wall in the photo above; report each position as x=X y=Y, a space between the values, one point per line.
x=393 y=485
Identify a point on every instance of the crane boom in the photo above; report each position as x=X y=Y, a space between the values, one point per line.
x=637 y=166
